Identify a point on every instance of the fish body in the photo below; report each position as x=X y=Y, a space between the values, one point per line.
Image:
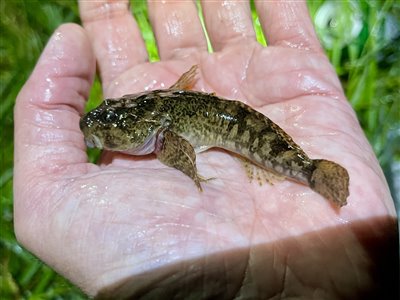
x=176 y=123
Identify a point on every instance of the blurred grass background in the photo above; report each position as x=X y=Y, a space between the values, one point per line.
x=361 y=38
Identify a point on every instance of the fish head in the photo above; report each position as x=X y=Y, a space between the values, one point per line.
x=129 y=124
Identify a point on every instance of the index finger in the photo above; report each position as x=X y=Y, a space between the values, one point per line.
x=115 y=35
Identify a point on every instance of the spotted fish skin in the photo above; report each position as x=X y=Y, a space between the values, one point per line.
x=142 y=123
x=207 y=121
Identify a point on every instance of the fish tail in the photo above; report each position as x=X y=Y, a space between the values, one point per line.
x=331 y=181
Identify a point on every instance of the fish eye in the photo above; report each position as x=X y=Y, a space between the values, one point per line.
x=109 y=116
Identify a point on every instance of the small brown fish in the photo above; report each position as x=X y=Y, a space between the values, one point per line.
x=176 y=123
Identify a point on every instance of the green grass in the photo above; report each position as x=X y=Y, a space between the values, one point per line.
x=360 y=40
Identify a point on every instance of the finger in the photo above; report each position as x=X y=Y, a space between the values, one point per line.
x=117 y=42
x=47 y=136
x=177 y=28
x=287 y=23
x=228 y=22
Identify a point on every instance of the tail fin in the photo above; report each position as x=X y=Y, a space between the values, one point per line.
x=331 y=181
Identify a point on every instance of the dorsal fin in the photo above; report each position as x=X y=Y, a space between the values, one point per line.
x=187 y=80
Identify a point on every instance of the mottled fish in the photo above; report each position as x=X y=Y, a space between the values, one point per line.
x=176 y=123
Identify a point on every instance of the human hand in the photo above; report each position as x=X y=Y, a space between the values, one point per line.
x=131 y=226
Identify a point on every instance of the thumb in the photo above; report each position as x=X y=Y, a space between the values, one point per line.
x=47 y=136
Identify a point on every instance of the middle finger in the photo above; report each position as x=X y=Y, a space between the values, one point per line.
x=177 y=28
x=228 y=22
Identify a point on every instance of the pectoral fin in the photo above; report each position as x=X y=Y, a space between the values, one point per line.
x=175 y=151
x=187 y=80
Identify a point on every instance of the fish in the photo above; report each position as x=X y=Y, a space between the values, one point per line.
x=177 y=123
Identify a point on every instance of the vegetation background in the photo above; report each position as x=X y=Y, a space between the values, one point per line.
x=361 y=38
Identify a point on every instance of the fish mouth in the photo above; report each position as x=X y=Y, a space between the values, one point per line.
x=93 y=142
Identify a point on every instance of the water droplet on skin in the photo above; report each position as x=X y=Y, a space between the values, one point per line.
x=48 y=91
x=121 y=31
x=294 y=108
x=174 y=26
x=234 y=92
x=304 y=144
x=310 y=84
x=342 y=220
x=297 y=46
x=58 y=36
x=47 y=95
x=105 y=7
x=150 y=86
x=95 y=194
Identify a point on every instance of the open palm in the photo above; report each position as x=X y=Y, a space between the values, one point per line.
x=131 y=225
